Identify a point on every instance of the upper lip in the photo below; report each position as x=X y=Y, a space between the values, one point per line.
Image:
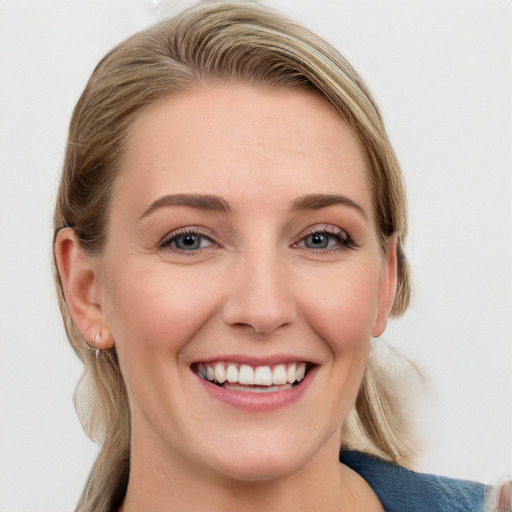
x=255 y=361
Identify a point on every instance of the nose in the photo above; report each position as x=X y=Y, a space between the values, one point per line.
x=260 y=295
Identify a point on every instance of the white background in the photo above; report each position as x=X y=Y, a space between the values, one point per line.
x=441 y=71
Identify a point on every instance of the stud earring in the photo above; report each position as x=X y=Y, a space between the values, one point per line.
x=93 y=349
x=94 y=346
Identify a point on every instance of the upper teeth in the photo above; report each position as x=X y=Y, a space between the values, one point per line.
x=253 y=375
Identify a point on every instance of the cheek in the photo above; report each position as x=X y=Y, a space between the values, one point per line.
x=342 y=315
x=154 y=314
x=157 y=309
x=344 y=310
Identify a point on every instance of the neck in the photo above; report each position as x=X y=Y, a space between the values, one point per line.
x=163 y=484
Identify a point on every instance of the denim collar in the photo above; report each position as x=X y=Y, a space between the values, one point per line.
x=401 y=490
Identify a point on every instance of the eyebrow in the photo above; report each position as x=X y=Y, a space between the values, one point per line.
x=319 y=201
x=204 y=202
x=207 y=202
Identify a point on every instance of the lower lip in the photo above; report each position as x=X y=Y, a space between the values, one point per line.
x=258 y=401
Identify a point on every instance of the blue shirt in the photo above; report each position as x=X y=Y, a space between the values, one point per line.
x=401 y=490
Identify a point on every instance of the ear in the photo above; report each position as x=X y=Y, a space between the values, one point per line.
x=387 y=287
x=79 y=275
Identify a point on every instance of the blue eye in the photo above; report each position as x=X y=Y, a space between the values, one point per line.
x=320 y=241
x=329 y=238
x=187 y=241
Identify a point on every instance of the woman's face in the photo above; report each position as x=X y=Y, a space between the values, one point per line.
x=241 y=245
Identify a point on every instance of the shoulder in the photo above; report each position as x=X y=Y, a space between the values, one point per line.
x=401 y=490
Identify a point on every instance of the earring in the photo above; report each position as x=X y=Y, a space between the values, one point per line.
x=93 y=349
x=96 y=342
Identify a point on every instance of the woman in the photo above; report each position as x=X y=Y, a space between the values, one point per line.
x=228 y=241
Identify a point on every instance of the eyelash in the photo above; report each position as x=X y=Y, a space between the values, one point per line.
x=341 y=237
x=170 y=240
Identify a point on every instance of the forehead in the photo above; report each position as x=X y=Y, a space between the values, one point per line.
x=234 y=139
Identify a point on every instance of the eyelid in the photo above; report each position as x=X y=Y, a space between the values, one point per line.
x=346 y=241
x=330 y=229
x=188 y=230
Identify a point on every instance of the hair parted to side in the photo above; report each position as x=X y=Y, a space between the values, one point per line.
x=212 y=43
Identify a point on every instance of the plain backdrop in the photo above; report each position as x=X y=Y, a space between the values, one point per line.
x=441 y=71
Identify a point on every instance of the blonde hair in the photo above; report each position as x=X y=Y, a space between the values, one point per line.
x=212 y=43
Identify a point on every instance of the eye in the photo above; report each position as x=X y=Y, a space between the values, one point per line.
x=187 y=241
x=330 y=238
x=320 y=241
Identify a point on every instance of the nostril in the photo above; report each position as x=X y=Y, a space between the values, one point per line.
x=259 y=297
x=259 y=320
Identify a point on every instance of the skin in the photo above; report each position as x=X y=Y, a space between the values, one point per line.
x=257 y=287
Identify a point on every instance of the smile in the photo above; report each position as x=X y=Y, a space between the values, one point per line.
x=250 y=378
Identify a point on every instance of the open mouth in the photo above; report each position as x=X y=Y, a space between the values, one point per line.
x=256 y=379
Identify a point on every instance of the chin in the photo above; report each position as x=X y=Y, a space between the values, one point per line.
x=265 y=459
x=259 y=468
